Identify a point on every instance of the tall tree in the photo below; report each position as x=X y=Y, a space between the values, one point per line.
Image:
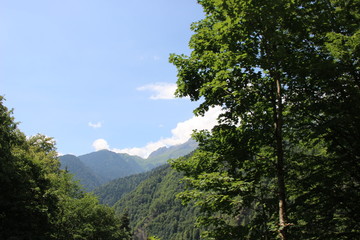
x=270 y=65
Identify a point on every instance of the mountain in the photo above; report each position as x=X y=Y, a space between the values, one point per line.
x=110 y=165
x=88 y=178
x=112 y=191
x=163 y=154
x=154 y=209
x=97 y=168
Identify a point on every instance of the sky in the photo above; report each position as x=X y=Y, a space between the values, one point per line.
x=94 y=74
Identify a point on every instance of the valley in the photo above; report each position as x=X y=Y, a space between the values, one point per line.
x=145 y=189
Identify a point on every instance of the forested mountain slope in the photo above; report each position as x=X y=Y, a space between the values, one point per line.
x=155 y=211
x=87 y=177
x=112 y=191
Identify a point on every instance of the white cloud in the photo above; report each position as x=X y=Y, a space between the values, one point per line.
x=100 y=144
x=180 y=134
x=143 y=152
x=95 y=125
x=160 y=90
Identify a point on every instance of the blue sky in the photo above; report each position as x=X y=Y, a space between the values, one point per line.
x=94 y=74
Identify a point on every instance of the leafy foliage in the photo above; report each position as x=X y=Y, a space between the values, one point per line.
x=233 y=188
x=27 y=173
x=84 y=218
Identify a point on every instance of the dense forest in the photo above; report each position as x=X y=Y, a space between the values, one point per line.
x=283 y=162
x=153 y=209
x=113 y=191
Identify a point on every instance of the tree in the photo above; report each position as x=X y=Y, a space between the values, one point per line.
x=272 y=67
x=28 y=166
x=125 y=226
x=40 y=201
x=332 y=120
x=85 y=218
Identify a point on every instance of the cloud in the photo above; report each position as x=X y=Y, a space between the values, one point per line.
x=59 y=154
x=143 y=152
x=160 y=90
x=100 y=144
x=180 y=134
x=95 y=125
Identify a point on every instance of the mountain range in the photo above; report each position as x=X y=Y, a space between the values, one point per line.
x=145 y=189
x=97 y=168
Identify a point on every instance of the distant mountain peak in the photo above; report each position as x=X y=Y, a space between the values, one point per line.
x=158 y=151
x=99 y=167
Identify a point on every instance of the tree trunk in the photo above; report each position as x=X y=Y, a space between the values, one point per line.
x=277 y=117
